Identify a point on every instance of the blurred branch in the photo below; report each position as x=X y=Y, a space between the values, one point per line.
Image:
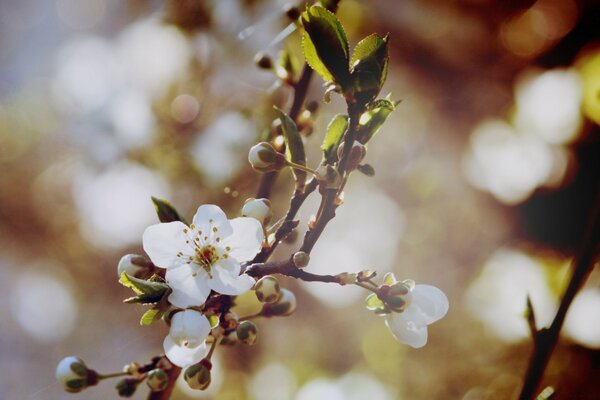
x=545 y=339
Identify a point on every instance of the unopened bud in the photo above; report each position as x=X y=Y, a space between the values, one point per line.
x=75 y=375
x=312 y=106
x=263 y=61
x=357 y=153
x=291 y=237
x=292 y=12
x=264 y=158
x=132 y=264
x=133 y=369
x=300 y=259
x=198 y=375
x=230 y=321
x=247 y=332
x=157 y=380
x=267 y=289
x=259 y=209
x=286 y=305
x=328 y=177
x=346 y=278
x=366 y=169
x=126 y=387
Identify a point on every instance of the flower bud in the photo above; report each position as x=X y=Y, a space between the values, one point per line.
x=357 y=153
x=264 y=158
x=347 y=278
x=230 y=321
x=366 y=169
x=259 y=209
x=263 y=61
x=132 y=264
x=126 y=387
x=157 y=380
x=267 y=289
x=247 y=332
x=292 y=12
x=300 y=259
x=75 y=375
x=328 y=177
x=286 y=305
x=291 y=237
x=198 y=375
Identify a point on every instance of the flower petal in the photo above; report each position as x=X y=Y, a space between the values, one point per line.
x=163 y=241
x=191 y=326
x=407 y=331
x=183 y=356
x=431 y=302
x=226 y=279
x=246 y=239
x=207 y=213
x=188 y=290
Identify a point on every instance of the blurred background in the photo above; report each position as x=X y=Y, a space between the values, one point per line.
x=485 y=178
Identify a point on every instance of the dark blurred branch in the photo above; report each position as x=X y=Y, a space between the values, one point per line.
x=300 y=90
x=545 y=339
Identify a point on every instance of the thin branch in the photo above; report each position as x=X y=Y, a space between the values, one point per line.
x=545 y=340
x=288 y=268
x=300 y=90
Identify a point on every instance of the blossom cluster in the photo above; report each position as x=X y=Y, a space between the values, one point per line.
x=200 y=258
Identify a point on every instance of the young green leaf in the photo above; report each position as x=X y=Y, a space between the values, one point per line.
x=371 y=120
x=369 y=67
x=147 y=291
x=165 y=211
x=333 y=138
x=325 y=44
x=150 y=316
x=294 y=147
x=373 y=302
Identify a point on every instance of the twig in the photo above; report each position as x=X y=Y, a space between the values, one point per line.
x=288 y=268
x=300 y=90
x=545 y=340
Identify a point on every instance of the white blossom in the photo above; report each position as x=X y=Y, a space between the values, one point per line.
x=425 y=304
x=185 y=343
x=205 y=256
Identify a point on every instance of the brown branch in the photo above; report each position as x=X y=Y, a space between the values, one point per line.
x=545 y=340
x=288 y=268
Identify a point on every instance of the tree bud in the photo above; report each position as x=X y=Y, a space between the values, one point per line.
x=357 y=153
x=292 y=12
x=263 y=61
x=198 y=375
x=259 y=209
x=366 y=169
x=126 y=387
x=267 y=289
x=328 y=177
x=132 y=264
x=247 y=332
x=75 y=375
x=264 y=158
x=157 y=380
x=286 y=305
x=300 y=259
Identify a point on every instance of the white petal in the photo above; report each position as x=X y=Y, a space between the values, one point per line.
x=188 y=290
x=191 y=326
x=431 y=302
x=226 y=279
x=162 y=242
x=246 y=239
x=407 y=331
x=183 y=356
x=207 y=213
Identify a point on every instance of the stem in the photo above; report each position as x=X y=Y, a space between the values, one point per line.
x=545 y=340
x=288 y=268
x=368 y=287
x=113 y=375
x=300 y=90
x=301 y=168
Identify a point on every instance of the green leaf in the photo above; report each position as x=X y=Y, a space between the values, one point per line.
x=213 y=320
x=165 y=211
x=369 y=67
x=335 y=133
x=371 y=120
x=373 y=302
x=150 y=316
x=325 y=44
x=147 y=291
x=294 y=147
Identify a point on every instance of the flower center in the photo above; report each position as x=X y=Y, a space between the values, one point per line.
x=205 y=257
x=205 y=253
